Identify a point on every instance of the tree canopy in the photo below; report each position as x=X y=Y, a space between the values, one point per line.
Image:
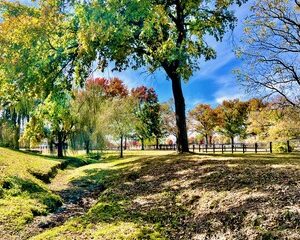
x=159 y=34
x=233 y=115
x=204 y=120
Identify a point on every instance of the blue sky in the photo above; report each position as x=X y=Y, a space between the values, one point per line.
x=213 y=83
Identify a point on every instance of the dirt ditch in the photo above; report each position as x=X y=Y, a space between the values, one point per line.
x=77 y=201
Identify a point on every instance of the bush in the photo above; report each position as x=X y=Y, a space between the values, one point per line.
x=281 y=147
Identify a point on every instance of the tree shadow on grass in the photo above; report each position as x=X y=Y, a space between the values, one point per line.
x=238 y=197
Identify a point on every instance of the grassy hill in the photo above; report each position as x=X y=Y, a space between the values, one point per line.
x=170 y=196
x=151 y=195
x=23 y=194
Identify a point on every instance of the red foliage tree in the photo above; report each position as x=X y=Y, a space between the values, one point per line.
x=113 y=87
x=116 y=88
x=144 y=94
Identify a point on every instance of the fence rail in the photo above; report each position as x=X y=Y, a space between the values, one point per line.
x=238 y=147
x=161 y=147
x=223 y=148
x=218 y=148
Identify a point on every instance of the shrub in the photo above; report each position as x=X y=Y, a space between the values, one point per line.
x=281 y=147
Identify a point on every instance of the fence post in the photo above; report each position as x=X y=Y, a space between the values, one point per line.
x=288 y=146
x=206 y=146
x=222 y=148
x=193 y=147
x=214 y=149
x=243 y=148
x=271 y=150
x=232 y=148
x=199 y=148
x=255 y=146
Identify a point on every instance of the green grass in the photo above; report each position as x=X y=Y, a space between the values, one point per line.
x=24 y=193
x=161 y=195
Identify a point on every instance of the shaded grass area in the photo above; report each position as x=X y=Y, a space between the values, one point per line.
x=24 y=193
x=169 y=196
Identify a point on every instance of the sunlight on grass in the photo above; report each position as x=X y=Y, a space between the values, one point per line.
x=22 y=195
x=183 y=196
x=16 y=163
x=163 y=195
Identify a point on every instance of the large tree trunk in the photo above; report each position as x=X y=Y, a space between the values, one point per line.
x=60 y=145
x=121 y=147
x=157 y=143
x=183 y=145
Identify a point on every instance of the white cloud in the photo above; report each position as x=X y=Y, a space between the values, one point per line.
x=228 y=89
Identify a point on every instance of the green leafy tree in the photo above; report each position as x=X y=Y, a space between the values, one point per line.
x=233 y=116
x=259 y=123
x=40 y=56
x=259 y=119
x=53 y=120
x=285 y=124
x=88 y=105
x=39 y=48
x=147 y=113
x=204 y=120
x=160 y=34
x=118 y=118
x=7 y=132
x=15 y=111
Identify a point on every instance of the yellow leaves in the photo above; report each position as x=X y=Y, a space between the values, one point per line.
x=31 y=24
x=154 y=24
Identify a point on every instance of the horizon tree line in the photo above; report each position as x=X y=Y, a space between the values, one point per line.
x=254 y=118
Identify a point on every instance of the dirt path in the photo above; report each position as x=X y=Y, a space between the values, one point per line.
x=78 y=197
